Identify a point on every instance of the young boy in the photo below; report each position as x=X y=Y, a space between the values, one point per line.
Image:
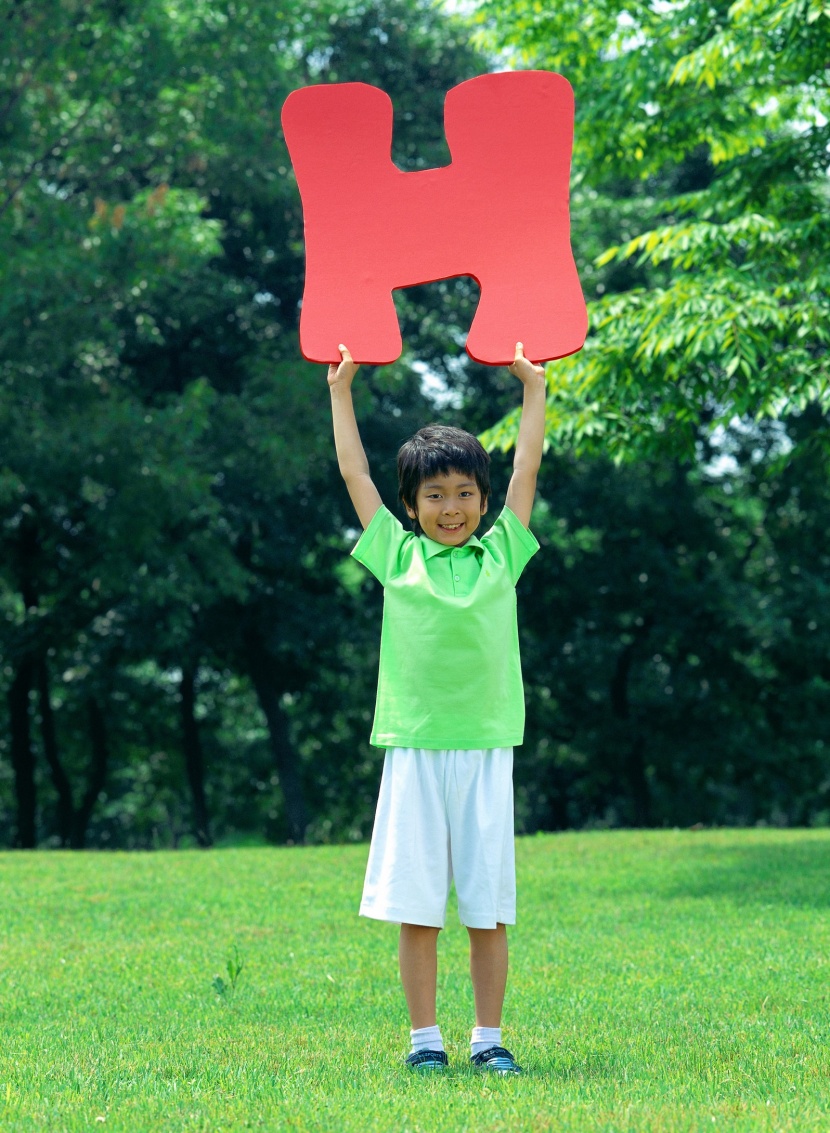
x=450 y=705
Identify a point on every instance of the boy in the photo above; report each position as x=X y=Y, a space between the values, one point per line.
x=450 y=706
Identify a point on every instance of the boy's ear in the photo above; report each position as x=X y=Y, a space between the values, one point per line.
x=411 y=512
x=484 y=504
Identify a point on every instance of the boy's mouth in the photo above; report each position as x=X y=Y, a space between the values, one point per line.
x=450 y=526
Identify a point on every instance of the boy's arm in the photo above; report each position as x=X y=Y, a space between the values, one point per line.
x=354 y=467
x=530 y=442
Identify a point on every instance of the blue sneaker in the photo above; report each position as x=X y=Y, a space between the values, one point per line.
x=496 y=1060
x=426 y=1061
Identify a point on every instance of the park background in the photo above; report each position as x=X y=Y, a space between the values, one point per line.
x=187 y=653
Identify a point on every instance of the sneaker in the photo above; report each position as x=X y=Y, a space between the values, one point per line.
x=425 y=1061
x=497 y=1060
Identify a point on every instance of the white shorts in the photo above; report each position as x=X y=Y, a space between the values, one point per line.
x=443 y=815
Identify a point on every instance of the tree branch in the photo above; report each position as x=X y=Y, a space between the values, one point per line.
x=7 y=203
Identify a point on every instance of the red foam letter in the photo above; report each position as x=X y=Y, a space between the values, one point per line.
x=498 y=212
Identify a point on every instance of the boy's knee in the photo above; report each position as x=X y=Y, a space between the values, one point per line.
x=419 y=929
x=484 y=933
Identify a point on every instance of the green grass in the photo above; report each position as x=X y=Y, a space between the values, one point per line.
x=659 y=981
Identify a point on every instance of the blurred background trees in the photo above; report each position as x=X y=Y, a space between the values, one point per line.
x=702 y=144
x=187 y=653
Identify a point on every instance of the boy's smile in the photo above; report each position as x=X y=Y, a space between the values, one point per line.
x=449 y=508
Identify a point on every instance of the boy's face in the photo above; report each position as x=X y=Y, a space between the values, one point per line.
x=449 y=508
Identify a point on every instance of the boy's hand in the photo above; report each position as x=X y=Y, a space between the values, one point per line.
x=523 y=369
x=345 y=372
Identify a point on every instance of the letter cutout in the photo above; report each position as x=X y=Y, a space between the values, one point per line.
x=497 y=212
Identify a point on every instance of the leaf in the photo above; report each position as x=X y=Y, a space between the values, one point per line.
x=606 y=256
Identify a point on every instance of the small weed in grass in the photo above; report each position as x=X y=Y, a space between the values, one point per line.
x=233 y=966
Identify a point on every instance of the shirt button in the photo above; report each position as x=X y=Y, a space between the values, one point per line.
x=458 y=578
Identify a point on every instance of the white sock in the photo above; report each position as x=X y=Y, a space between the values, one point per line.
x=483 y=1038
x=426 y=1038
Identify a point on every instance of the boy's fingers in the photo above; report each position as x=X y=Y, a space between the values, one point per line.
x=520 y=351
x=344 y=353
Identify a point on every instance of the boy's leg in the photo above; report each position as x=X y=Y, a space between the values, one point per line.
x=483 y=859
x=418 y=955
x=488 y=970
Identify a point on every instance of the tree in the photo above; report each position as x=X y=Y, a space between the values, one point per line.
x=676 y=656
x=166 y=476
x=701 y=139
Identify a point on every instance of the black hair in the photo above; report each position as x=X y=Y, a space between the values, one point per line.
x=438 y=450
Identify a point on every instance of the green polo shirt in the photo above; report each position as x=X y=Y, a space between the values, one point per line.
x=450 y=675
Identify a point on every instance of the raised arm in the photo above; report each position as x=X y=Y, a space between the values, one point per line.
x=354 y=467
x=531 y=438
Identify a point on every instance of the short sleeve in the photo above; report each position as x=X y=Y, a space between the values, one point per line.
x=510 y=541
x=379 y=547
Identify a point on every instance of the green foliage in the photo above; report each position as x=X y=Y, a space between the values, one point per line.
x=673 y=655
x=173 y=531
x=168 y=497
x=707 y=128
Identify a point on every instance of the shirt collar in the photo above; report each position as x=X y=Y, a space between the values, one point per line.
x=431 y=548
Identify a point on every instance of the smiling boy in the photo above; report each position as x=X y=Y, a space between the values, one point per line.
x=450 y=703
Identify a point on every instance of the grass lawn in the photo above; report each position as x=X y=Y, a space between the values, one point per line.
x=659 y=981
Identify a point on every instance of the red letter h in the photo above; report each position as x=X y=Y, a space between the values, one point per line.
x=498 y=212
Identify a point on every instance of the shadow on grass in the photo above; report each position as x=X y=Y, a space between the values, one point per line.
x=557 y=1066
x=791 y=873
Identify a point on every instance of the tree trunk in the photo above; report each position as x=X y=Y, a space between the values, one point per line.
x=638 y=782
x=22 y=756
x=97 y=772
x=634 y=760
x=65 y=806
x=193 y=757
x=557 y=801
x=261 y=669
